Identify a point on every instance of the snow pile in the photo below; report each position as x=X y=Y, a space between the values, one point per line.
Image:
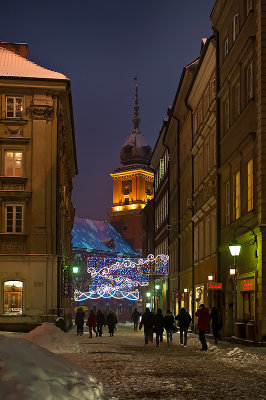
x=52 y=338
x=235 y=352
x=31 y=372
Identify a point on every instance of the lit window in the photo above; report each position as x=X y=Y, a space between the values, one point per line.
x=13 y=163
x=250 y=185
x=237 y=195
x=13 y=291
x=235 y=26
x=250 y=81
x=14 y=218
x=14 y=107
x=227 y=203
x=226 y=48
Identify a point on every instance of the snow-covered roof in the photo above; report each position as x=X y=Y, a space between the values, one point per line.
x=99 y=237
x=136 y=139
x=13 y=65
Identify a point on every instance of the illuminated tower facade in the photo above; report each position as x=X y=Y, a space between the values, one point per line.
x=132 y=185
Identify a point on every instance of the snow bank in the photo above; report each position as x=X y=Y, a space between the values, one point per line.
x=28 y=371
x=52 y=338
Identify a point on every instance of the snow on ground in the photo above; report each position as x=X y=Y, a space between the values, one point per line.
x=52 y=338
x=30 y=372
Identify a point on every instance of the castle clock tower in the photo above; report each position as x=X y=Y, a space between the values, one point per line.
x=132 y=184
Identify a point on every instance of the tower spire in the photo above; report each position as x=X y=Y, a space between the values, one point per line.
x=136 y=119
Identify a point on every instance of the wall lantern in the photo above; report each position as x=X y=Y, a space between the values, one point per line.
x=157 y=287
x=210 y=277
x=75 y=270
x=148 y=294
x=232 y=271
x=234 y=248
x=185 y=290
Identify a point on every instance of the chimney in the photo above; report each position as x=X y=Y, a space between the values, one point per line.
x=17 y=48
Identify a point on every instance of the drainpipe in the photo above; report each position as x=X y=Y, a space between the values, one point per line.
x=168 y=234
x=57 y=216
x=218 y=134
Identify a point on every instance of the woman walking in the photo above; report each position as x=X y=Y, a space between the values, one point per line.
x=92 y=323
x=169 y=325
x=100 y=322
x=158 y=326
x=184 y=320
x=111 y=321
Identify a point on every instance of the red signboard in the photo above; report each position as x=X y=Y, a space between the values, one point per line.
x=179 y=296
x=247 y=284
x=214 y=285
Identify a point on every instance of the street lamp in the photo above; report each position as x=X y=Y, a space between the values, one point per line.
x=210 y=277
x=234 y=248
x=157 y=287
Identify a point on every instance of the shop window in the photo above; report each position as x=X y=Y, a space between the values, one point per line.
x=13 y=163
x=14 y=107
x=13 y=296
x=248 y=306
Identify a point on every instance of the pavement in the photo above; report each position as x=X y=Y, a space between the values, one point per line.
x=130 y=370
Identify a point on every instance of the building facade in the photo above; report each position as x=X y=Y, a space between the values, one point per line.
x=38 y=162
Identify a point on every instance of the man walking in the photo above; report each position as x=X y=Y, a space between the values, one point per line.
x=135 y=318
x=148 y=321
x=203 y=324
x=184 y=320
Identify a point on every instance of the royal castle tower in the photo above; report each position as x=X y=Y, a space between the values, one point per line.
x=132 y=184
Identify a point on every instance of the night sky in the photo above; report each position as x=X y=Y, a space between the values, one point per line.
x=101 y=45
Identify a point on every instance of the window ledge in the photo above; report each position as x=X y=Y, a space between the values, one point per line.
x=17 y=179
x=14 y=121
x=14 y=234
x=13 y=140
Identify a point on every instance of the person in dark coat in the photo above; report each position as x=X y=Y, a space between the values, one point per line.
x=92 y=323
x=135 y=318
x=215 y=316
x=169 y=325
x=158 y=326
x=100 y=322
x=111 y=321
x=203 y=324
x=79 y=320
x=184 y=320
x=147 y=320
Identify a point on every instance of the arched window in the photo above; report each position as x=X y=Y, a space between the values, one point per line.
x=13 y=297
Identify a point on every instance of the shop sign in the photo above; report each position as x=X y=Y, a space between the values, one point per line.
x=214 y=285
x=247 y=284
x=179 y=296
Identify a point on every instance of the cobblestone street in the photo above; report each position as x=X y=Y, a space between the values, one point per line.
x=130 y=370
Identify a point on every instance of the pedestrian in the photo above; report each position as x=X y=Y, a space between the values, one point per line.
x=147 y=320
x=135 y=318
x=184 y=320
x=215 y=316
x=169 y=325
x=159 y=326
x=111 y=321
x=100 y=322
x=92 y=323
x=203 y=324
x=79 y=320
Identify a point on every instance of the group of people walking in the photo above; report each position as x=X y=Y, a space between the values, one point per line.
x=95 y=322
x=158 y=323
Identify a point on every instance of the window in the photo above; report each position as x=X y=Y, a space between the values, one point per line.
x=124 y=228
x=119 y=309
x=226 y=115
x=250 y=185
x=130 y=309
x=126 y=187
x=227 y=203
x=195 y=124
x=13 y=163
x=14 y=218
x=162 y=168
x=213 y=89
x=235 y=26
x=249 y=6
x=14 y=107
x=250 y=81
x=213 y=232
x=237 y=195
x=236 y=100
x=13 y=291
x=126 y=200
x=107 y=307
x=226 y=48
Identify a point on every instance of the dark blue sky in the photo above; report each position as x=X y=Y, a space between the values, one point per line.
x=100 y=45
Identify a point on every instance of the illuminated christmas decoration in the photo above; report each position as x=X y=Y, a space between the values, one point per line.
x=120 y=278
